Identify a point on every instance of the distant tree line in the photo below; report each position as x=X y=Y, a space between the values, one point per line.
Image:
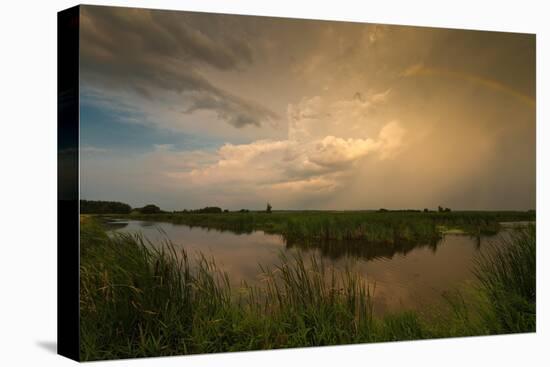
x=114 y=207
x=103 y=207
x=205 y=210
x=440 y=209
x=215 y=210
x=384 y=210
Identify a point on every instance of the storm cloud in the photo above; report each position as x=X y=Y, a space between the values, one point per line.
x=148 y=52
x=237 y=110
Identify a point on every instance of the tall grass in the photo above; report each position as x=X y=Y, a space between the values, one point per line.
x=503 y=299
x=139 y=301
x=507 y=276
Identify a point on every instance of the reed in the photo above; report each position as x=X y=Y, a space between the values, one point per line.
x=138 y=300
x=366 y=226
x=507 y=277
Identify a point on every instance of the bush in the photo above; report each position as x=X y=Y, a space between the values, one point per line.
x=208 y=209
x=150 y=209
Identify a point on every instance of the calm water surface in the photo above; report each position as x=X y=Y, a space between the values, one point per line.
x=406 y=277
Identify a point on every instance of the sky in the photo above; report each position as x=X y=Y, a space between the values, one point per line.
x=187 y=110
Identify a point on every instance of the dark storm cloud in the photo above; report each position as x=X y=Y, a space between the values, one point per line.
x=150 y=52
x=225 y=106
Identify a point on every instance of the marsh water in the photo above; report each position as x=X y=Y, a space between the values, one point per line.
x=409 y=276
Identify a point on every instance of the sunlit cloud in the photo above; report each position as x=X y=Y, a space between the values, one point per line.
x=306 y=162
x=304 y=114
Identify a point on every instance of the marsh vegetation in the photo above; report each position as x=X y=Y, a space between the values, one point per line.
x=140 y=299
x=367 y=226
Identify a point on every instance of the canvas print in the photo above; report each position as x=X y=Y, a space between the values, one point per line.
x=251 y=183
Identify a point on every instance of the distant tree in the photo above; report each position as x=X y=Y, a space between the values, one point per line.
x=447 y=210
x=383 y=210
x=209 y=210
x=440 y=209
x=268 y=208
x=226 y=211
x=244 y=211
x=150 y=209
x=103 y=207
x=426 y=210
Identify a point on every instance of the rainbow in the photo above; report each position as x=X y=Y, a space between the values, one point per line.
x=486 y=82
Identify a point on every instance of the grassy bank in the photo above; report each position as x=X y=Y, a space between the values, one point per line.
x=137 y=301
x=366 y=226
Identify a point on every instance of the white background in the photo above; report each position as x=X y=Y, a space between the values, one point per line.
x=28 y=182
